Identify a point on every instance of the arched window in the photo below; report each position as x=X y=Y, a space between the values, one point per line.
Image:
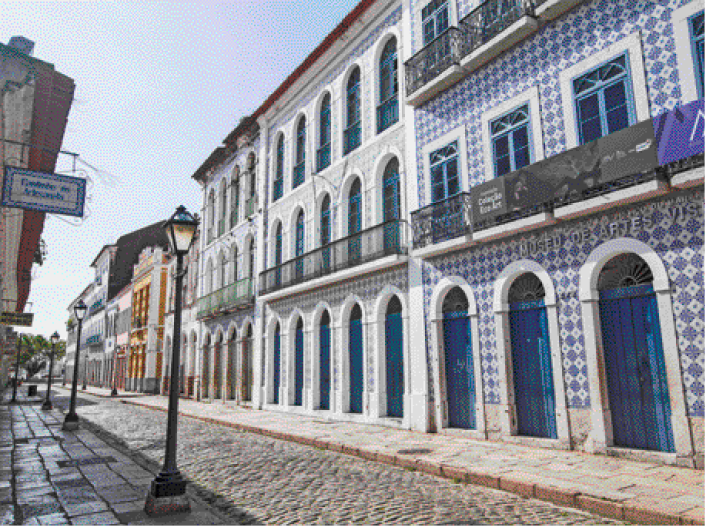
x=353 y=126
x=251 y=165
x=235 y=269
x=279 y=174
x=278 y=254
x=234 y=200
x=354 y=221
x=388 y=109
x=391 y=205
x=211 y=216
x=222 y=270
x=323 y=154
x=300 y=167
x=300 y=244
x=252 y=258
x=209 y=277
x=325 y=221
x=223 y=207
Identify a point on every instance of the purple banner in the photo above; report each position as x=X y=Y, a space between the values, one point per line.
x=680 y=133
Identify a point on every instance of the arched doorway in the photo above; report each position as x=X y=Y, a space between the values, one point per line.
x=637 y=384
x=458 y=361
x=394 y=339
x=231 y=374
x=217 y=366
x=531 y=358
x=276 y=364
x=299 y=363
x=246 y=368
x=206 y=369
x=324 y=362
x=356 y=362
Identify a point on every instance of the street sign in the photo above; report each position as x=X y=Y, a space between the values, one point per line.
x=22 y=319
x=44 y=192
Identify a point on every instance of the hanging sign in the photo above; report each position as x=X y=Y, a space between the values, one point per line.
x=680 y=133
x=22 y=319
x=44 y=192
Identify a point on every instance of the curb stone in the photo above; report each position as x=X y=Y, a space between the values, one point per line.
x=559 y=496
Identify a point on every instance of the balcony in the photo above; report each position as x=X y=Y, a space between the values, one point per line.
x=442 y=221
x=386 y=239
x=352 y=138
x=387 y=113
x=434 y=68
x=251 y=206
x=94 y=340
x=236 y=295
x=323 y=157
x=486 y=32
x=278 y=191
x=299 y=174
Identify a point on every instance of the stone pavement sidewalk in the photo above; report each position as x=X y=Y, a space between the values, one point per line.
x=50 y=476
x=614 y=487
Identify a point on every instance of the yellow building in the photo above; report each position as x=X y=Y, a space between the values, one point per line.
x=149 y=284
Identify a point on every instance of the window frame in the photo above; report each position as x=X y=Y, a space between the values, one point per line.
x=630 y=44
x=460 y=135
x=530 y=97
x=680 y=18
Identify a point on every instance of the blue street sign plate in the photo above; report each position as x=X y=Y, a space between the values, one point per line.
x=44 y=192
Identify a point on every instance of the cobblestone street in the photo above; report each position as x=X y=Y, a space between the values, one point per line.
x=256 y=479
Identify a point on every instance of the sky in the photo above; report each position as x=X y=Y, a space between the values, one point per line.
x=159 y=85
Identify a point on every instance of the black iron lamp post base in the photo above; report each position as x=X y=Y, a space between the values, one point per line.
x=113 y=392
x=70 y=423
x=167 y=495
x=47 y=406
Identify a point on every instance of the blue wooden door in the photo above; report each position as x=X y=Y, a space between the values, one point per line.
x=459 y=368
x=635 y=368
x=299 y=364
x=395 y=364
x=533 y=372
x=324 y=379
x=276 y=364
x=356 y=375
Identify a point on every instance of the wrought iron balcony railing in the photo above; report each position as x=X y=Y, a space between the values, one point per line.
x=323 y=157
x=435 y=58
x=250 y=206
x=238 y=294
x=278 y=189
x=480 y=26
x=386 y=239
x=387 y=113
x=489 y=19
x=352 y=137
x=442 y=221
x=299 y=174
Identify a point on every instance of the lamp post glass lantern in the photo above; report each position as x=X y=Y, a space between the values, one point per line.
x=47 y=405
x=71 y=420
x=168 y=491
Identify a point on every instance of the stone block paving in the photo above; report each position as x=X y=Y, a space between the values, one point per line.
x=619 y=488
x=263 y=480
x=51 y=476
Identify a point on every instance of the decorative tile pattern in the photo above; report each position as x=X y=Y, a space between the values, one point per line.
x=538 y=60
x=673 y=227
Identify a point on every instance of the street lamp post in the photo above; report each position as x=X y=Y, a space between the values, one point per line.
x=17 y=370
x=168 y=491
x=47 y=405
x=71 y=420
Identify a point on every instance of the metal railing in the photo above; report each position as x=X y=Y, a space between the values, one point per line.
x=480 y=26
x=250 y=206
x=352 y=137
x=387 y=113
x=278 y=189
x=323 y=157
x=299 y=174
x=437 y=56
x=489 y=19
x=385 y=239
x=442 y=221
x=235 y=295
